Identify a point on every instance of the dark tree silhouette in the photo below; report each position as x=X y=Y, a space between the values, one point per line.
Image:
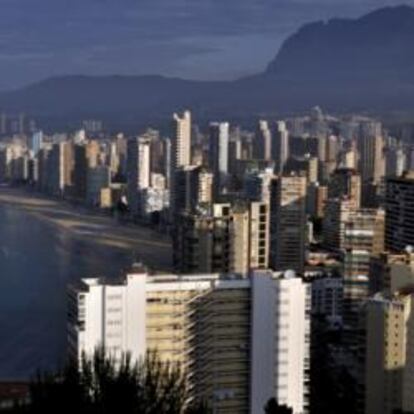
x=272 y=407
x=101 y=385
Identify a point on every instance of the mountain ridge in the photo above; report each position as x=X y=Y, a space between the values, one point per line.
x=342 y=64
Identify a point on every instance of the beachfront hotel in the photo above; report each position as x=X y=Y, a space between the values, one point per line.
x=240 y=340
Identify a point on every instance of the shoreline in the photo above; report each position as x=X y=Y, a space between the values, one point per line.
x=147 y=245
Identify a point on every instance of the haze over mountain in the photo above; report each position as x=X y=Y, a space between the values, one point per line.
x=341 y=64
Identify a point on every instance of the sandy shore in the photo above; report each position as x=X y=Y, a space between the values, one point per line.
x=148 y=246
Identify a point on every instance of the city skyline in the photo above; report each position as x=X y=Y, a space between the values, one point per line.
x=270 y=251
x=232 y=233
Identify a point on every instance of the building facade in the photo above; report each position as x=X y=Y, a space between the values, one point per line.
x=212 y=325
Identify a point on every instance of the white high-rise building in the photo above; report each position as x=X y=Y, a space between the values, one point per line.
x=107 y=314
x=249 y=337
x=139 y=170
x=219 y=153
x=180 y=152
x=181 y=143
x=280 y=146
x=144 y=163
x=280 y=341
x=263 y=142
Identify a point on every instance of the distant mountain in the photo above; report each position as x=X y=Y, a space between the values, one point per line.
x=377 y=46
x=342 y=64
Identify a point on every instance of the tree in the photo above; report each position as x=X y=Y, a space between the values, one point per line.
x=101 y=385
x=272 y=407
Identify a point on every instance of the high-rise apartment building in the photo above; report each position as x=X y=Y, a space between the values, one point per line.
x=61 y=164
x=316 y=196
x=386 y=321
x=36 y=142
x=330 y=163
x=390 y=272
x=181 y=141
x=371 y=158
x=363 y=238
x=241 y=341
x=327 y=300
x=139 y=171
x=263 y=142
x=399 y=212
x=280 y=146
x=256 y=185
x=223 y=238
x=97 y=179
x=307 y=165
x=288 y=223
x=42 y=168
x=92 y=153
x=407 y=295
x=80 y=171
x=345 y=182
x=193 y=188
x=180 y=151
x=337 y=212
x=144 y=163
x=370 y=128
x=371 y=163
x=219 y=154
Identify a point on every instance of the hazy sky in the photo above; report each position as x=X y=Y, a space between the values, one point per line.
x=199 y=39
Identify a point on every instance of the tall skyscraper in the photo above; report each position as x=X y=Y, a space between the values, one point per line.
x=280 y=146
x=92 y=153
x=36 y=142
x=386 y=320
x=263 y=142
x=181 y=141
x=371 y=158
x=138 y=171
x=288 y=223
x=97 y=179
x=241 y=341
x=223 y=238
x=307 y=164
x=180 y=154
x=42 y=164
x=345 y=182
x=363 y=238
x=337 y=213
x=193 y=187
x=144 y=163
x=370 y=128
x=371 y=163
x=219 y=154
x=316 y=196
x=80 y=171
x=256 y=185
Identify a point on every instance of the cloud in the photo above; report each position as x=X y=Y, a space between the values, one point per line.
x=197 y=39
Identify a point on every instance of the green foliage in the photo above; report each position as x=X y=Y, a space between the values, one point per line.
x=102 y=385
